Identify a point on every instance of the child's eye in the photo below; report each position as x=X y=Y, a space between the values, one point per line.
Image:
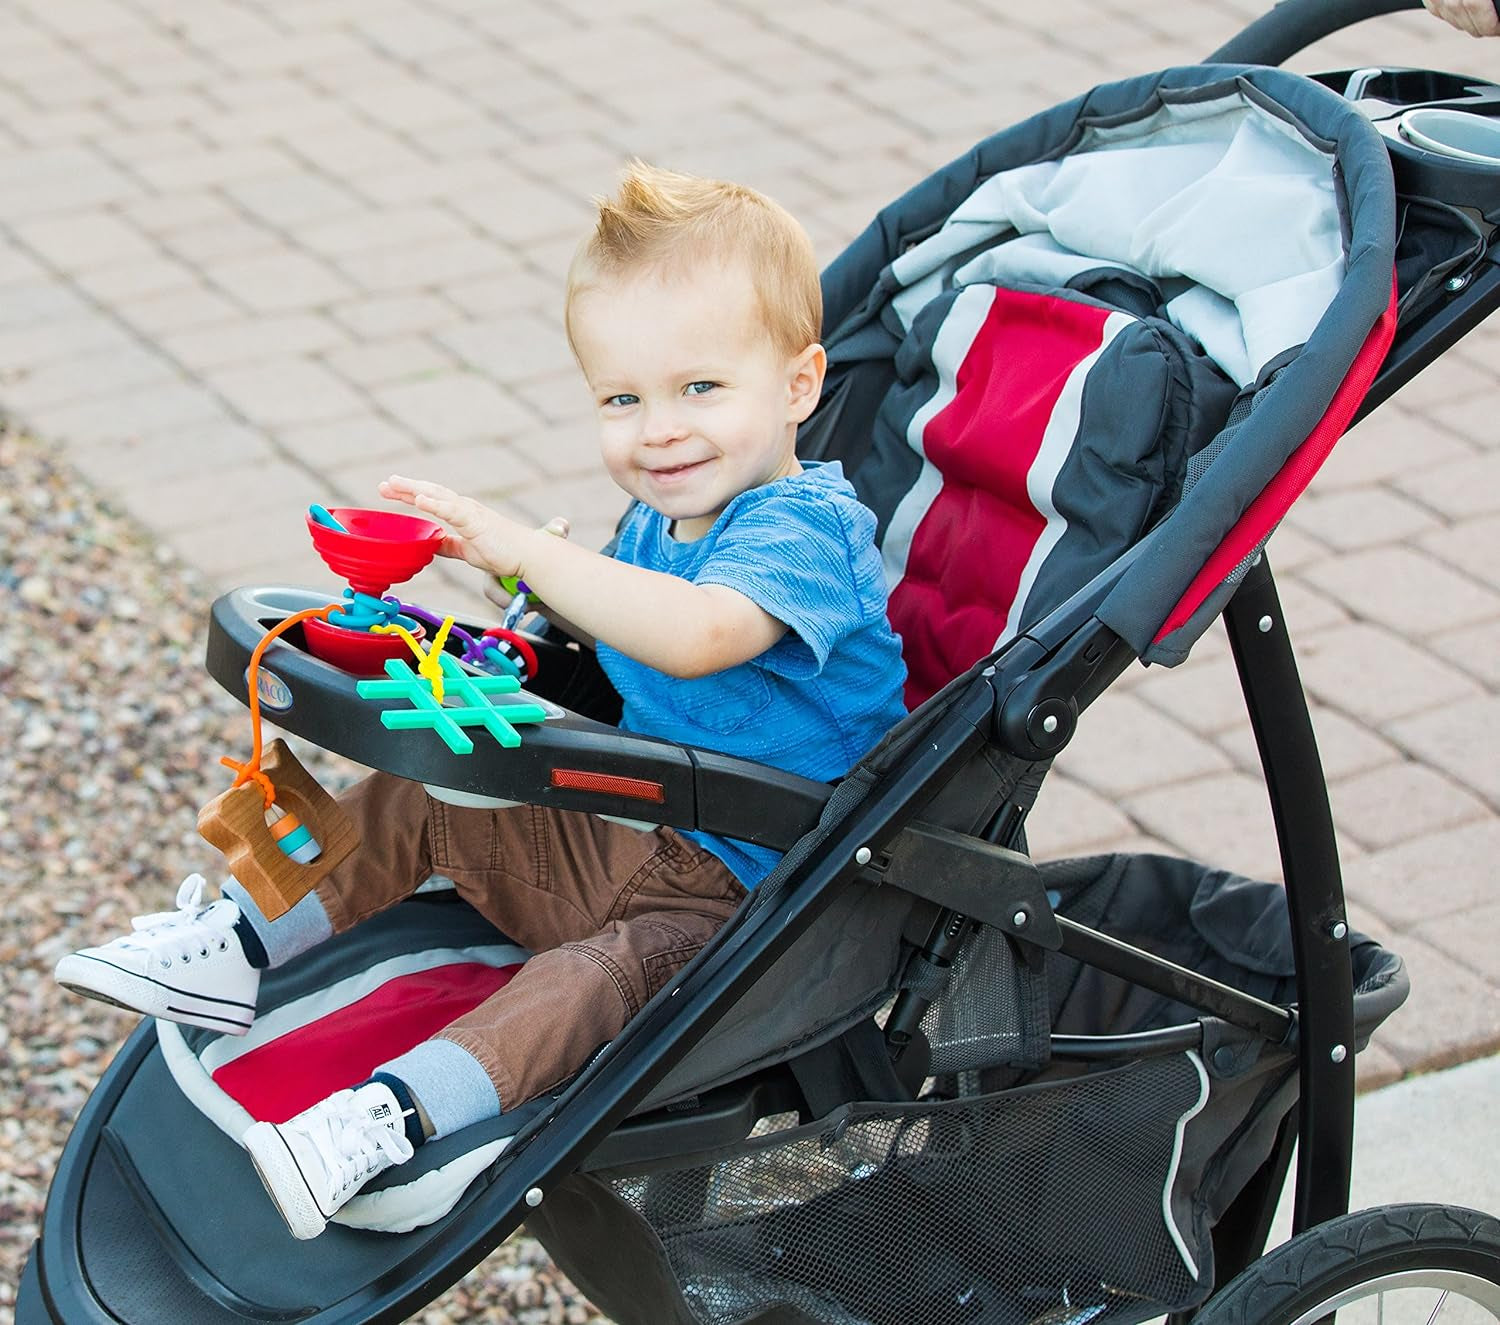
x=622 y=400
x=699 y=388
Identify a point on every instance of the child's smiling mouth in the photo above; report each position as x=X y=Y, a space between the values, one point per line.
x=676 y=473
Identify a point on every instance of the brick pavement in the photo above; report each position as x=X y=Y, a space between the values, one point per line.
x=253 y=255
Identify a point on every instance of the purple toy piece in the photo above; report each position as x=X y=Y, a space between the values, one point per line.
x=476 y=651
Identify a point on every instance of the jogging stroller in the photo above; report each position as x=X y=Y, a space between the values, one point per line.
x=920 y=1078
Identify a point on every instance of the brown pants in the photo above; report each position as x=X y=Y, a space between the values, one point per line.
x=610 y=912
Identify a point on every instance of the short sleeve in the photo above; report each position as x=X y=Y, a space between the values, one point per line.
x=791 y=557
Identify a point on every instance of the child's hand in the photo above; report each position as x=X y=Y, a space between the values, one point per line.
x=496 y=592
x=482 y=537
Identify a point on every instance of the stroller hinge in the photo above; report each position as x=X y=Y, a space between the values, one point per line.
x=977 y=879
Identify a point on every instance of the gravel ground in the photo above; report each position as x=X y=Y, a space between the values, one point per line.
x=113 y=732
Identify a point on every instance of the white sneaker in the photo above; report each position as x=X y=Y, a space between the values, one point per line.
x=313 y=1163
x=185 y=965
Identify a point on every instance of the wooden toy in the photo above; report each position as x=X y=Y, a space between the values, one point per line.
x=235 y=822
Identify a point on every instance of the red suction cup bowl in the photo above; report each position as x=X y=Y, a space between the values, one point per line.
x=379 y=549
x=358 y=651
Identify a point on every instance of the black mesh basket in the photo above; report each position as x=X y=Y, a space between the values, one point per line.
x=1073 y=1197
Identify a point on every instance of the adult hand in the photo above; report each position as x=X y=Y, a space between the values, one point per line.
x=1478 y=18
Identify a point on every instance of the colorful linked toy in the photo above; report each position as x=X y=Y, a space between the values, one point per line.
x=448 y=721
x=280 y=832
x=373 y=550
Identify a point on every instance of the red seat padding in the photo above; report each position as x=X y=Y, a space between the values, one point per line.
x=279 y=1079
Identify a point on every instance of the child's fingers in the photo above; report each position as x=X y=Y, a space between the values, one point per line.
x=1461 y=16
x=559 y=526
x=1486 y=18
x=420 y=493
x=1476 y=17
x=396 y=488
x=467 y=516
x=480 y=536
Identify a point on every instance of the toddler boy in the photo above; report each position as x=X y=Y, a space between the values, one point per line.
x=743 y=610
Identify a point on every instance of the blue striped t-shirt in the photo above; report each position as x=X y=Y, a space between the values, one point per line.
x=803 y=550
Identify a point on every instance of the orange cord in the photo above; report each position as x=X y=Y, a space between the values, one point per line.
x=249 y=771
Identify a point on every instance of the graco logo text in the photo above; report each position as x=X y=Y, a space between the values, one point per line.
x=274 y=693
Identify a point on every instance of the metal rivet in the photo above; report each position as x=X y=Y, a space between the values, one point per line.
x=1265 y=624
x=1338 y=1053
x=1455 y=283
x=1339 y=929
x=1049 y=724
x=862 y=856
x=1020 y=919
x=534 y=1197
x=1224 y=1058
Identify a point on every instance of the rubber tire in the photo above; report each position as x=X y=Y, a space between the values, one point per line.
x=1355 y=1249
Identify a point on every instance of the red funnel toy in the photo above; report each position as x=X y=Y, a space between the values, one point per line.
x=379 y=549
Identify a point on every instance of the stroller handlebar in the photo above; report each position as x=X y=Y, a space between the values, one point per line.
x=1294 y=25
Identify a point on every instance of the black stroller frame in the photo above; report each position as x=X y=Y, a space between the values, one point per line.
x=897 y=824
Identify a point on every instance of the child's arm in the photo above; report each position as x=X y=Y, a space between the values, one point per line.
x=559 y=527
x=497 y=595
x=680 y=628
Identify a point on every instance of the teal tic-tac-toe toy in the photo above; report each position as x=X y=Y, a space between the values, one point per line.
x=449 y=721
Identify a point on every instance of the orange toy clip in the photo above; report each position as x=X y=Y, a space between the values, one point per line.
x=277 y=862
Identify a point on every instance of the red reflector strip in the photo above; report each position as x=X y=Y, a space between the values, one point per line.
x=576 y=779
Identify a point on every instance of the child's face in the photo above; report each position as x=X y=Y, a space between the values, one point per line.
x=696 y=404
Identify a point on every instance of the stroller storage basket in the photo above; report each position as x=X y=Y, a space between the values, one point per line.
x=1078 y=1196
x=925 y=1214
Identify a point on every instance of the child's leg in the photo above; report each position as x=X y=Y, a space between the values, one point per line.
x=570 y=1001
x=610 y=912
x=390 y=863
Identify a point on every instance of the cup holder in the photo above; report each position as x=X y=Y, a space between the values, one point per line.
x=1442 y=131
x=1457 y=134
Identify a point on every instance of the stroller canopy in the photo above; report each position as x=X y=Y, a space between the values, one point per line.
x=1054 y=341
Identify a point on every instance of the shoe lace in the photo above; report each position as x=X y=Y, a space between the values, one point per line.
x=183 y=928
x=346 y=1131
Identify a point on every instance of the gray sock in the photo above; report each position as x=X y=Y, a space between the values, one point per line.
x=305 y=926
x=455 y=1091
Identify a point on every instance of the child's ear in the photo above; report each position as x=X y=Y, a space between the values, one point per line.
x=805 y=382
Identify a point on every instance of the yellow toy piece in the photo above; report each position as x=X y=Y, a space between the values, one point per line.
x=430 y=660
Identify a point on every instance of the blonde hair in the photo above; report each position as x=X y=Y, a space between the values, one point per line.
x=664 y=219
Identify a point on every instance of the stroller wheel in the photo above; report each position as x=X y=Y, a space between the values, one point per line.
x=1424 y=1264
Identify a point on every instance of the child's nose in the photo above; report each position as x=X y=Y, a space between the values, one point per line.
x=662 y=424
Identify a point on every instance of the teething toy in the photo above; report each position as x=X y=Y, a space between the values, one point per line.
x=279 y=831
x=448 y=723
